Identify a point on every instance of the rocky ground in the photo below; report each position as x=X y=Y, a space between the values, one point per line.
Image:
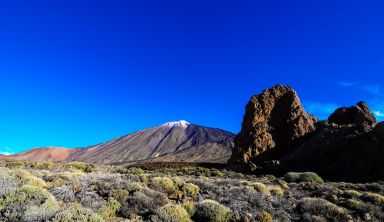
x=31 y=191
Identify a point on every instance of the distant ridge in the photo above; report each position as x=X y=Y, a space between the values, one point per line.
x=48 y=154
x=177 y=141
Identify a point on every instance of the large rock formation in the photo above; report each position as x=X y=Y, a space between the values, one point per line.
x=348 y=146
x=274 y=123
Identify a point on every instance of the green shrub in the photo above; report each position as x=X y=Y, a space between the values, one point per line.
x=119 y=194
x=190 y=207
x=143 y=203
x=275 y=190
x=41 y=165
x=262 y=188
x=165 y=182
x=303 y=177
x=211 y=211
x=216 y=173
x=191 y=189
x=75 y=213
x=109 y=210
x=351 y=194
x=373 y=198
x=355 y=205
x=14 y=164
x=87 y=168
x=27 y=202
x=136 y=171
x=324 y=208
x=264 y=217
x=172 y=213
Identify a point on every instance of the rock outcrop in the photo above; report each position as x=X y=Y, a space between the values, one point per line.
x=274 y=123
x=359 y=115
x=348 y=146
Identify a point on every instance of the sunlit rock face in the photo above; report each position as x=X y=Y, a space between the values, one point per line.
x=274 y=123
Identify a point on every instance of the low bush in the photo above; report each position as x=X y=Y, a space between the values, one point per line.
x=262 y=188
x=191 y=189
x=41 y=165
x=303 y=177
x=373 y=198
x=190 y=207
x=27 y=203
x=109 y=210
x=275 y=190
x=351 y=194
x=87 y=168
x=166 y=184
x=76 y=213
x=172 y=213
x=136 y=171
x=211 y=211
x=143 y=203
x=324 y=208
x=355 y=205
x=264 y=217
x=15 y=164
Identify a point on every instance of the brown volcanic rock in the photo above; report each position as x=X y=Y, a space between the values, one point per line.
x=279 y=136
x=379 y=130
x=359 y=115
x=339 y=152
x=274 y=123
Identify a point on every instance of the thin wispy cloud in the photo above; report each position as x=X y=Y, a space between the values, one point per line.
x=319 y=109
x=374 y=89
x=6 y=151
x=348 y=84
x=372 y=94
x=378 y=113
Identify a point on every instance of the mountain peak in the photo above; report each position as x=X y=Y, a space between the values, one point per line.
x=181 y=123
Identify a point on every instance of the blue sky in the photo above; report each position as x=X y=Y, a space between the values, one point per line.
x=76 y=73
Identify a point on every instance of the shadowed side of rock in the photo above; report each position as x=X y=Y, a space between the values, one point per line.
x=278 y=136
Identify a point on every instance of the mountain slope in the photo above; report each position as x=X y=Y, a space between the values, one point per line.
x=49 y=154
x=174 y=141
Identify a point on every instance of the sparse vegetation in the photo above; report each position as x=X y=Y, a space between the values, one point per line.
x=82 y=192
x=303 y=177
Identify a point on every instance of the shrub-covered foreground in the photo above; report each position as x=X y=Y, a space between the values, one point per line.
x=81 y=192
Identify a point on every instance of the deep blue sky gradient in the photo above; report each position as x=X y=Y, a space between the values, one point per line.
x=76 y=73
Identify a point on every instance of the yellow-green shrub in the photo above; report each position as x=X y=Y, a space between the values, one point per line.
x=303 y=177
x=87 y=168
x=75 y=213
x=172 y=213
x=191 y=189
x=109 y=210
x=373 y=198
x=165 y=182
x=28 y=201
x=264 y=217
x=275 y=190
x=262 y=188
x=211 y=211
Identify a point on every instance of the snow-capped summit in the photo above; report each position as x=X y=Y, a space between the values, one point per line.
x=181 y=123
